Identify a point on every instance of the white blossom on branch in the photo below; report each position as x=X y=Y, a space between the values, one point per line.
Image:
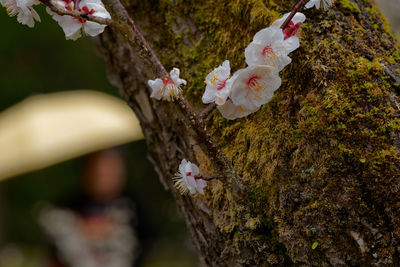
x=168 y=87
x=23 y=9
x=72 y=26
x=187 y=180
x=269 y=48
x=218 y=84
x=254 y=86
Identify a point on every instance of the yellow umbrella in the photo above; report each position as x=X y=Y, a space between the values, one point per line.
x=47 y=129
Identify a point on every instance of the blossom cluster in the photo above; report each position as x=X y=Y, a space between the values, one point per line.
x=248 y=89
x=73 y=27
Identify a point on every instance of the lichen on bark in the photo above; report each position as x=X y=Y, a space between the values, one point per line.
x=320 y=162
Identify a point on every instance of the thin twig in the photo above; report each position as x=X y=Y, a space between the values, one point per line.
x=217 y=157
x=207 y=110
x=76 y=14
x=146 y=46
x=128 y=28
x=291 y=15
x=208 y=178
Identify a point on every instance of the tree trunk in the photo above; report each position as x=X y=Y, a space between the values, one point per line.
x=320 y=163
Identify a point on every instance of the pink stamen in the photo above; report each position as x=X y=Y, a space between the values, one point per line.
x=169 y=87
x=167 y=80
x=221 y=85
x=87 y=11
x=252 y=80
x=68 y=4
x=291 y=29
x=267 y=50
x=254 y=83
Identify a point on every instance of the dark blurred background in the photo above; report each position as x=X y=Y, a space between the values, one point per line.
x=40 y=60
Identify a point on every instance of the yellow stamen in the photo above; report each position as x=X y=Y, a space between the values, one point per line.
x=213 y=80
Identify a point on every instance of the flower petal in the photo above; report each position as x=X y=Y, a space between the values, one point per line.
x=157 y=88
x=230 y=111
x=93 y=28
x=255 y=86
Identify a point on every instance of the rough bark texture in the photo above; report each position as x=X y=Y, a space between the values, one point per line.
x=320 y=162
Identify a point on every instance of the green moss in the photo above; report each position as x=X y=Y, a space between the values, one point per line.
x=349 y=5
x=381 y=20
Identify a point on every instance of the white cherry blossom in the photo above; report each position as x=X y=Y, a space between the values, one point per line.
x=290 y=31
x=317 y=3
x=187 y=180
x=74 y=26
x=268 y=48
x=230 y=111
x=218 y=84
x=23 y=9
x=168 y=87
x=254 y=86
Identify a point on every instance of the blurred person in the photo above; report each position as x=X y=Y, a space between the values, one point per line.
x=96 y=229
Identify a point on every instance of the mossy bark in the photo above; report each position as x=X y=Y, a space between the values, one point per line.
x=320 y=162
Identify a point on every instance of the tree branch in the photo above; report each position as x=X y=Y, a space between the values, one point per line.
x=291 y=15
x=128 y=28
x=207 y=110
x=217 y=157
x=208 y=178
